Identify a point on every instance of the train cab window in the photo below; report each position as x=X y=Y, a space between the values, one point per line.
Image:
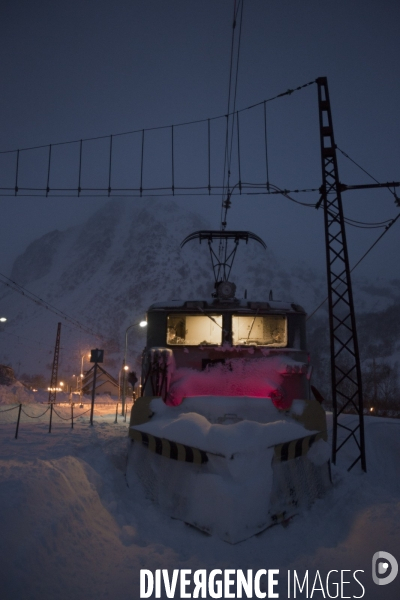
x=259 y=330
x=194 y=330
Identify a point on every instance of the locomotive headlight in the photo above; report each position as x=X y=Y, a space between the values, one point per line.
x=226 y=289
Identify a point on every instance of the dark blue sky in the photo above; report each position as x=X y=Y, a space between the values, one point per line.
x=72 y=70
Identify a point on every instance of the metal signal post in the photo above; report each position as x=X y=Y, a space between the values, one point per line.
x=96 y=356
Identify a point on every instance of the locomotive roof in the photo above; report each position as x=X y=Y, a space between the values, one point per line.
x=229 y=305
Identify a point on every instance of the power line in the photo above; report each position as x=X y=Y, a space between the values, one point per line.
x=225 y=204
x=162 y=193
x=137 y=192
x=39 y=301
x=376 y=241
x=364 y=223
x=288 y=92
x=283 y=192
x=364 y=170
x=360 y=260
x=357 y=165
x=22 y=337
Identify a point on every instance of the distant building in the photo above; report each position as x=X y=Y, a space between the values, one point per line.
x=105 y=383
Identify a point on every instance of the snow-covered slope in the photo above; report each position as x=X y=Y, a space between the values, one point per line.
x=108 y=270
x=104 y=273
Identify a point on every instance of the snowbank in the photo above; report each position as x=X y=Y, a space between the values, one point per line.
x=71 y=528
x=16 y=394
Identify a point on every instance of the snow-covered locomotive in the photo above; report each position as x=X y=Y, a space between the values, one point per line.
x=226 y=435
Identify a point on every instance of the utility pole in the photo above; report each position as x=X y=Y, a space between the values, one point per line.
x=54 y=372
x=124 y=365
x=345 y=359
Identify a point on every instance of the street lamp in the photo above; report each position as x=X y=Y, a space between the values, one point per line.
x=82 y=374
x=125 y=367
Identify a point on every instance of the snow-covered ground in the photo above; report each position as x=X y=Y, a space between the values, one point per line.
x=72 y=529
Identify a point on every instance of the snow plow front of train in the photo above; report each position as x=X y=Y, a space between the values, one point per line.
x=227 y=436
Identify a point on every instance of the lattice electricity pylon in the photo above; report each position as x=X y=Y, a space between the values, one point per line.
x=54 y=371
x=345 y=359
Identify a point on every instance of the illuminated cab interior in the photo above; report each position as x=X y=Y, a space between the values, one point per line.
x=200 y=334
x=194 y=330
x=198 y=330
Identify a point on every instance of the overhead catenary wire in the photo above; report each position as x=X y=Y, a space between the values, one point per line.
x=370 y=223
x=285 y=193
x=29 y=340
x=359 y=260
x=166 y=193
x=238 y=154
x=266 y=145
x=245 y=188
x=39 y=301
x=253 y=189
x=48 y=172
x=363 y=225
x=226 y=192
x=200 y=190
x=288 y=92
x=364 y=170
x=69 y=190
x=376 y=241
x=231 y=110
x=357 y=165
x=235 y=114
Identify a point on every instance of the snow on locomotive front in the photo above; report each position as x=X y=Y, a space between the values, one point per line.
x=226 y=348
x=226 y=436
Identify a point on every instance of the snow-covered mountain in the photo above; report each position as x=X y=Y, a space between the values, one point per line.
x=108 y=270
